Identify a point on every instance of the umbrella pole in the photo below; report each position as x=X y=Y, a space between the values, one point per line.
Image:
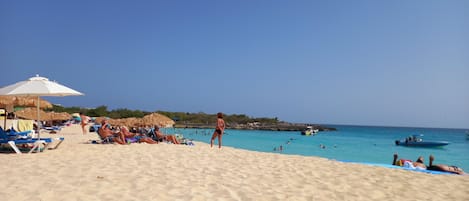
x=5 y=121
x=38 y=120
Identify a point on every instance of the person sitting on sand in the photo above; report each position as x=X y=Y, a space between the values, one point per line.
x=134 y=137
x=161 y=136
x=106 y=133
x=443 y=168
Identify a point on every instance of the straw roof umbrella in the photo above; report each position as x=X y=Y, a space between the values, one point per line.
x=7 y=100
x=31 y=113
x=148 y=120
x=26 y=101
x=157 y=119
x=129 y=122
x=59 y=116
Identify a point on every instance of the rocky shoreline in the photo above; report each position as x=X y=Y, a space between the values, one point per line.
x=257 y=126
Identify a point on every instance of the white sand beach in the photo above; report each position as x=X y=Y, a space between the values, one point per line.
x=81 y=171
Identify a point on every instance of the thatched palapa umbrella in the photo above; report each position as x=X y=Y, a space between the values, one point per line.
x=148 y=120
x=157 y=119
x=25 y=101
x=31 y=113
x=129 y=122
x=59 y=116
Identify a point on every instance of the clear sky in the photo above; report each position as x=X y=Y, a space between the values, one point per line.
x=394 y=63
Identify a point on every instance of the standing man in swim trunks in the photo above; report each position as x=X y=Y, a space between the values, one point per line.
x=219 y=130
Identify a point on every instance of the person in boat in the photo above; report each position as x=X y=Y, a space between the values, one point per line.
x=419 y=165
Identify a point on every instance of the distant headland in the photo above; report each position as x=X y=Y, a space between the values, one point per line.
x=197 y=120
x=281 y=126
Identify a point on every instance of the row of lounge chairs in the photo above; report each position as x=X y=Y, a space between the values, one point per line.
x=13 y=138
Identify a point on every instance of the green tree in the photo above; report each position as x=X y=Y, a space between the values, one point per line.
x=100 y=111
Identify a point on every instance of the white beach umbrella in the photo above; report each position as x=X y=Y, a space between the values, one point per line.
x=38 y=86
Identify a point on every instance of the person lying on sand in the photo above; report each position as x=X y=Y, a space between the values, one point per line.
x=443 y=168
x=106 y=133
x=419 y=165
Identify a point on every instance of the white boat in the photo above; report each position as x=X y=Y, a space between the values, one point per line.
x=309 y=131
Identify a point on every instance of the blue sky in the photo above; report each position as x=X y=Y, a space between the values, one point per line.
x=394 y=63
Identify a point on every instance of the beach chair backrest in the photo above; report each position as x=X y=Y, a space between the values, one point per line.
x=104 y=140
x=3 y=134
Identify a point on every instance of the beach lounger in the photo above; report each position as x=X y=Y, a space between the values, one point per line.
x=15 y=138
x=52 y=129
x=103 y=140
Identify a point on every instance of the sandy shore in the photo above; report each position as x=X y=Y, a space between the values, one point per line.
x=81 y=171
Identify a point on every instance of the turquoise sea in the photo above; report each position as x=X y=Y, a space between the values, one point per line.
x=349 y=143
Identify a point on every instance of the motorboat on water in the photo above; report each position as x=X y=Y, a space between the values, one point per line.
x=417 y=141
x=309 y=131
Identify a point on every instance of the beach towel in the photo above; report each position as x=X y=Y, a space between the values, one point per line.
x=12 y=124
x=400 y=167
x=25 y=125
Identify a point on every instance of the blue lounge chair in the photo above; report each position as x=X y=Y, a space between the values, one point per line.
x=14 y=138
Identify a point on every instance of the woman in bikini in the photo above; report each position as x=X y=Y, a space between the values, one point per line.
x=219 y=129
x=84 y=121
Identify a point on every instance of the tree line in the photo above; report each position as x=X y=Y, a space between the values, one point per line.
x=178 y=117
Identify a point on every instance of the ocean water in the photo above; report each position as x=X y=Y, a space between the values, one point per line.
x=349 y=143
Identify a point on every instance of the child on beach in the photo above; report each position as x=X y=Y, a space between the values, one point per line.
x=219 y=129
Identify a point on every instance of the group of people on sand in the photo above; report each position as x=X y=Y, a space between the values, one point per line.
x=420 y=165
x=124 y=136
